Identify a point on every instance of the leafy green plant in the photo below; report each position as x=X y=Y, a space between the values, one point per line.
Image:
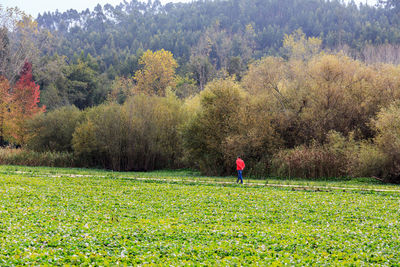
x=92 y=217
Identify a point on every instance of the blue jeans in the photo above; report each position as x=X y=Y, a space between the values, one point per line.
x=240 y=178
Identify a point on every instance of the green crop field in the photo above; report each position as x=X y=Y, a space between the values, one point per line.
x=82 y=217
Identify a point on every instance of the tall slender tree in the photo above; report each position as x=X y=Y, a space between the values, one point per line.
x=4 y=101
x=24 y=100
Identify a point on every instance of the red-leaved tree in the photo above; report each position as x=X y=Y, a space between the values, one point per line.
x=25 y=97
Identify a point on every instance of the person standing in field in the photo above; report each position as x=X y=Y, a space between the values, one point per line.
x=240 y=167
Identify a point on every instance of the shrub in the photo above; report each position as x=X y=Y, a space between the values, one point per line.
x=101 y=140
x=367 y=160
x=220 y=117
x=32 y=158
x=387 y=125
x=257 y=139
x=143 y=134
x=314 y=161
x=229 y=122
x=307 y=162
x=154 y=133
x=257 y=169
x=53 y=131
x=342 y=156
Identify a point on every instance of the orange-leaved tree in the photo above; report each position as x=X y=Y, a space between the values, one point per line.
x=24 y=100
x=4 y=101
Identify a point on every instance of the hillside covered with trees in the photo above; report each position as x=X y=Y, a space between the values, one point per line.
x=230 y=27
x=306 y=88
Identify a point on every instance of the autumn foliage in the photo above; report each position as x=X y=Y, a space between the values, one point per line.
x=18 y=104
x=4 y=101
x=157 y=74
x=311 y=114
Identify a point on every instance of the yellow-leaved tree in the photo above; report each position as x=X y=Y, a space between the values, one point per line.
x=157 y=73
x=298 y=46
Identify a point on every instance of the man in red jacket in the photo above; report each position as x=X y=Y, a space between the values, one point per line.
x=240 y=167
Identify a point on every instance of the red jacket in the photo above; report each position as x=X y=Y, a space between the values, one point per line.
x=240 y=164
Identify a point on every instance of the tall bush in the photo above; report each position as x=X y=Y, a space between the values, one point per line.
x=154 y=132
x=101 y=140
x=227 y=123
x=387 y=125
x=220 y=117
x=257 y=139
x=53 y=131
x=143 y=134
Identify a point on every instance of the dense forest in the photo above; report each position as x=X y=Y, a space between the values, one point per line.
x=208 y=36
x=233 y=26
x=306 y=88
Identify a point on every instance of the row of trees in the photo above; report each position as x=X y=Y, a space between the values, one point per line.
x=305 y=112
x=311 y=115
